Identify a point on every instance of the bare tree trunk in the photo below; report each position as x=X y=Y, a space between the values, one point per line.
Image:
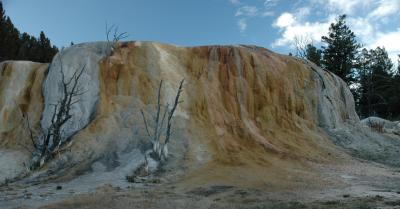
x=170 y=115
x=60 y=115
x=160 y=149
x=112 y=40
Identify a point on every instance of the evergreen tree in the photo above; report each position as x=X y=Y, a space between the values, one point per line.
x=340 y=52
x=394 y=99
x=398 y=65
x=376 y=83
x=2 y=12
x=45 y=49
x=313 y=54
x=11 y=40
x=3 y=33
x=25 y=46
x=14 y=45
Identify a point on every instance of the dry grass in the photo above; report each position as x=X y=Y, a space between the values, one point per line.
x=377 y=126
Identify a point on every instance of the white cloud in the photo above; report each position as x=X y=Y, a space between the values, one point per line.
x=242 y=25
x=267 y=14
x=270 y=3
x=366 y=18
x=302 y=12
x=312 y=31
x=248 y=11
x=245 y=12
x=268 y=10
x=363 y=28
x=235 y=2
x=379 y=8
x=284 y=20
x=342 y=6
x=292 y=27
x=391 y=42
x=386 y=8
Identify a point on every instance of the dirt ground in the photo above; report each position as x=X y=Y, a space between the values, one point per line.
x=356 y=184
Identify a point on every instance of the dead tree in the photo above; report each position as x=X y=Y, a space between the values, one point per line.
x=300 y=43
x=114 y=36
x=51 y=140
x=162 y=130
x=62 y=110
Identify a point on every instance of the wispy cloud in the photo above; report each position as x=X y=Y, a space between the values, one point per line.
x=242 y=25
x=386 y=8
x=270 y=3
x=235 y=2
x=341 y=6
x=245 y=12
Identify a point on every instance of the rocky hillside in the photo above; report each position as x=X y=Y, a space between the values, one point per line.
x=249 y=116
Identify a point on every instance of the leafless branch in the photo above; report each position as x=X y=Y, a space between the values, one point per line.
x=112 y=32
x=159 y=148
x=145 y=123
x=300 y=43
x=171 y=113
x=60 y=115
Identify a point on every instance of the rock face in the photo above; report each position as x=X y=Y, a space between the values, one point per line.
x=69 y=61
x=20 y=93
x=248 y=113
x=387 y=126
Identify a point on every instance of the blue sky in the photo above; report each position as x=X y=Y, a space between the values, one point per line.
x=274 y=24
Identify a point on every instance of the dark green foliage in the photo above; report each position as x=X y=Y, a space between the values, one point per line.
x=340 y=52
x=397 y=72
x=394 y=94
x=17 y=46
x=313 y=54
x=377 y=87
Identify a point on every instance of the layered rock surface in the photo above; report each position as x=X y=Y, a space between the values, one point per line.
x=249 y=115
x=20 y=93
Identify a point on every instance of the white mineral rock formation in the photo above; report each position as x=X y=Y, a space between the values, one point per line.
x=242 y=105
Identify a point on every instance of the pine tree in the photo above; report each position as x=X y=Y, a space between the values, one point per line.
x=340 y=52
x=44 y=46
x=3 y=33
x=394 y=99
x=398 y=65
x=376 y=83
x=313 y=54
x=25 y=46
x=11 y=40
x=14 y=45
x=2 y=12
